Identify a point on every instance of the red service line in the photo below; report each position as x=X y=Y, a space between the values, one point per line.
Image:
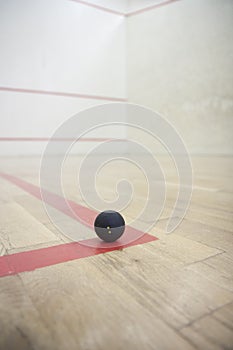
x=33 y=259
x=64 y=94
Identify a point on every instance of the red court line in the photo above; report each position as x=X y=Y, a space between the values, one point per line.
x=84 y=215
x=98 y=7
x=45 y=139
x=35 y=259
x=63 y=94
x=149 y=8
x=31 y=260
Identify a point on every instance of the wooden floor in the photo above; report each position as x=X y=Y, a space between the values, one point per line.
x=173 y=293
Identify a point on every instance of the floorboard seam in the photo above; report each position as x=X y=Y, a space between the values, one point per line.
x=210 y=313
x=205 y=259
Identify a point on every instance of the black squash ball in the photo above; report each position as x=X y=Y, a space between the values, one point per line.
x=109 y=225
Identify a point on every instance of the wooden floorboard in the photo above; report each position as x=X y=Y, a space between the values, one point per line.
x=172 y=293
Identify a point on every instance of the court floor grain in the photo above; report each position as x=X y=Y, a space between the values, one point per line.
x=174 y=292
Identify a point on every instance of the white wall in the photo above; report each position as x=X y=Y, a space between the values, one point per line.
x=180 y=63
x=135 y=5
x=115 y=5
x=61 y=46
